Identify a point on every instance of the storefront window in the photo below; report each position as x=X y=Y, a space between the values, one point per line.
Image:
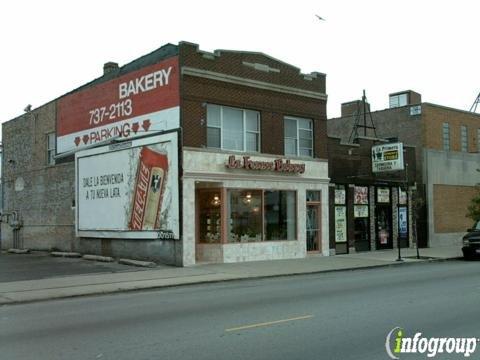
x=210 y=216
x=313 y=195
x=245 y=215
x=280 y=215
x=256 y=215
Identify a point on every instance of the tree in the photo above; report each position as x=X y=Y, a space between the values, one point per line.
x=473 y=210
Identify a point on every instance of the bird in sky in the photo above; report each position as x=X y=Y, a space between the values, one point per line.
x=320 y=18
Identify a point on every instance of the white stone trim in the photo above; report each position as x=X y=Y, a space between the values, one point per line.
x=260 y=67
x=252 y=177
x=251 y=83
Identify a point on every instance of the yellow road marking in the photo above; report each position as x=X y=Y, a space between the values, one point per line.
x=268 y=323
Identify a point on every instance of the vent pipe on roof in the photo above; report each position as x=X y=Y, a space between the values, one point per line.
x=109 y=67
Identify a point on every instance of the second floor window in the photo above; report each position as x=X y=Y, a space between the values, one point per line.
x=298 y=136
x=398 y=100
x=446 y=136
x=231 y=128
x=464 y=138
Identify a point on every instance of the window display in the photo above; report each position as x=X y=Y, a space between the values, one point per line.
x=209 y=216
x=244 y=215
x=280 y=215
x=256 y=215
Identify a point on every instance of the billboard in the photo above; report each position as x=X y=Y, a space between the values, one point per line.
x=129 y=189
x=132 y=105
x=387 y=157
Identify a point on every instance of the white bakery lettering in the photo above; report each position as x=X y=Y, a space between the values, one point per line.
x=144 y=83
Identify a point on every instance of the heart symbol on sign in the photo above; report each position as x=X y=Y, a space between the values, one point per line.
x=77 y=141
x=85 y=139
x=146 y=124
x=135 y=127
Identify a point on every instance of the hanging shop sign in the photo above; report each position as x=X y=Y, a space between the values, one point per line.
x=360 y=195
x=340 y=224
x=138 y=103
x=387 y=157
x=278 y=165
x=129 y=192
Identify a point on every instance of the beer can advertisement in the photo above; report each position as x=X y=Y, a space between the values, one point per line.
x=129 y=189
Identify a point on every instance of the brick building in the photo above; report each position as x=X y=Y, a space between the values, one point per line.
x=368 y=210
x=179 y=156
x=447 y=144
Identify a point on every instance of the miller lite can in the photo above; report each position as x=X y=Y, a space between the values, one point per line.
x=148 y=190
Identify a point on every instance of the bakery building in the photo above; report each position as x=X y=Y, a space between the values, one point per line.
x=181 y=156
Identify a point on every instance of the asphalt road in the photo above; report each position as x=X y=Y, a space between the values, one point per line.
x=342 y=315
x=40 y=265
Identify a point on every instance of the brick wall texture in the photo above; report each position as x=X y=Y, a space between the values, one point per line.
x=433 y=119
x=450 y=208
x=272 y=105
x=44 y=203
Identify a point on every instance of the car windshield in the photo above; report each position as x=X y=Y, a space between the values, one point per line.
x=476 y=226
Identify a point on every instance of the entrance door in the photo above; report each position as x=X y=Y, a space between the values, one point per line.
x=313 y=228
x=384 y=227
x=362 y=229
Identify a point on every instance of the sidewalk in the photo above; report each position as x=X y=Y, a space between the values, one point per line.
x=91 y=284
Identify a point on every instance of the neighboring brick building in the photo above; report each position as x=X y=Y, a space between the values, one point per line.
x=447 y=143
x=251 y=161
x=365 y=204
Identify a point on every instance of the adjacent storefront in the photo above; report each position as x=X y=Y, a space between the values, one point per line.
x=371 y=208
x=370 y=217
x=244 y=208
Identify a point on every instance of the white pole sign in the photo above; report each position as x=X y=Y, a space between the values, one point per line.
x=387 y=157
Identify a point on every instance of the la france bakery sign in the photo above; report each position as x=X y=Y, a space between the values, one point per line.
x=277 y=165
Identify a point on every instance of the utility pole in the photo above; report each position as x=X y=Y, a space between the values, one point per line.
x=406 y=192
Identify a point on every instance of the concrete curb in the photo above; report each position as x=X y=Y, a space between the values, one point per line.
x=18 y=251
x=65 y=254
x=98 y=258
x=148 y=264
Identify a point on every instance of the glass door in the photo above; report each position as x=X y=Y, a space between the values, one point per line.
x=384 y=227
x=313 y=228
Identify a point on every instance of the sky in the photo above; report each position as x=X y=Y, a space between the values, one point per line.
x=51 y=47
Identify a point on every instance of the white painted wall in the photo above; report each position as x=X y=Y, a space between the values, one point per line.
x=209 y=166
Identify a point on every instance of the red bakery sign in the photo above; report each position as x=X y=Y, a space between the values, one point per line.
x=146 y=100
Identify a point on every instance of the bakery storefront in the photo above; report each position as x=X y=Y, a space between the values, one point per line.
x=247 y=207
